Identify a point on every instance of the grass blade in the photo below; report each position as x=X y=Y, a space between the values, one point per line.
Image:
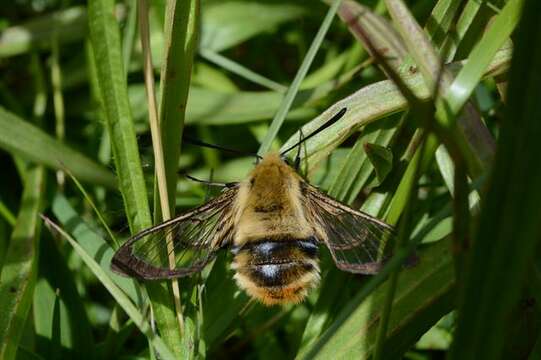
x=369 y=104
x=105 y=39
x=483 y=53
x=287 y=101
x=181 y=28
x=509 y=231
x=94 y=245
x=64 y=332
x=362 y=21
x=352 y=335
x=18 y=276
x=117 y=293
x=180 y=39
x=240 y=70
x=28 y=141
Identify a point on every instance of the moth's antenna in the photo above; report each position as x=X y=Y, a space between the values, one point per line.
x=318 y=130
x=297 y=162
x=210 y=183
x=217 y=147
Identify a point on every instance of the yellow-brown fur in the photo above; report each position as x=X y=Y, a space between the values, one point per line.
x=268 y=208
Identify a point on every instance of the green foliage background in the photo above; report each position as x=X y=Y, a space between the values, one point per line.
x=449 y=154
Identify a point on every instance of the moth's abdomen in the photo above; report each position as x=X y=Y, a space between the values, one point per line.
x=277 y=271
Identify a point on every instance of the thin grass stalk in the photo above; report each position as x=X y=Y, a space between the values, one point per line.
x=157 y=147
x=58 y=100
x=128 y=38
x=113 y=241
x=286 y=103
x=7 y=215
x=40 y=101
x=464 y=22
x=240 y=70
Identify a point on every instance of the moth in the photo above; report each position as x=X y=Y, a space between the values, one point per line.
x=274 y=224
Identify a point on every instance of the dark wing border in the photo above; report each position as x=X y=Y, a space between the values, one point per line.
x=125 y=262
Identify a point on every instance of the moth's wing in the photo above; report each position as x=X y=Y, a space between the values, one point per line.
x=188 y=242
x=357 y=241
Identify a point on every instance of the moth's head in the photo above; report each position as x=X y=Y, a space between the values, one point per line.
x=273 y=158
x=276 y=158
x=271 y=171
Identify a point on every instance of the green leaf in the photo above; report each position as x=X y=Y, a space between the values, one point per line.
x=24 y=354
x=28 y=141
x=508 y=234
x=228 y=23
x=351 y=168
x=372 y=103
x=105 y=39
x=481 y=56
x=117 y=294
x=423 y=295
x=381 y=158
x=222 y=302
x=182 y=19
x=94 y=245
x=18 y=276
x=65 y=332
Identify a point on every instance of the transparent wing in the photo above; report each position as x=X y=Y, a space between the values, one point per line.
x=188 y=242
x=357 y=241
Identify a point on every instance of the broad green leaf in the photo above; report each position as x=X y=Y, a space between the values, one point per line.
x=126 y=304
x=30 y=142
x=225 y=24
x=65 y=332
x=94 y=245
x=211 y=107
x=228 y=23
